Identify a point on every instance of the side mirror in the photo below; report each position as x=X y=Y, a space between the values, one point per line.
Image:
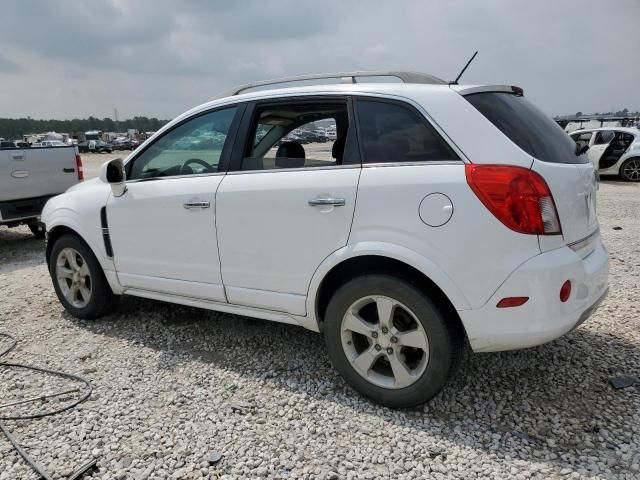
x=113 y=173
x=583 y=149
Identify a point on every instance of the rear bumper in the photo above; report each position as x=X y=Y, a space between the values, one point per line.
x=543 y=317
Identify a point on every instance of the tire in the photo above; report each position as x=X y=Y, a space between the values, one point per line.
x=100 y=300
x=37 y=228
x=630 y=169
x=413 y=313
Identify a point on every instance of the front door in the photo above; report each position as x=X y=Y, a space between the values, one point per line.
x=600 y=143
x=163 y=229
x=289 y=203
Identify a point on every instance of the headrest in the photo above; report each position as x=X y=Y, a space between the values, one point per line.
x=290 y=155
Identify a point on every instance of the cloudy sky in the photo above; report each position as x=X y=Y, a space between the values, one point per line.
x=65 y=59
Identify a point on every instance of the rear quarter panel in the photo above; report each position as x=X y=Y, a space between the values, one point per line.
x=473 y=248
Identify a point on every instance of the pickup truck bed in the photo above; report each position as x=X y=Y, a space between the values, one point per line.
x=29 y=177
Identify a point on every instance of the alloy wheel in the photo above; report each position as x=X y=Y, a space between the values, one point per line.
x=74 y=278
x=631 y=170
x=384 y=342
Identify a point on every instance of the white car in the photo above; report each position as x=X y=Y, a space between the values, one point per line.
x=437 y=218
x=612 y=150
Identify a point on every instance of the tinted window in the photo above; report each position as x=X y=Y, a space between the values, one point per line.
x=300 y=135
x=529 y=128
x=604 y=137
x=191 y=148
x=394 y=133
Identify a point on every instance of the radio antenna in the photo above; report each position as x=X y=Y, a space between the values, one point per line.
x=455 y=82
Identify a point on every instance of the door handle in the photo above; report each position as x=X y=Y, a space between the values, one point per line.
x=17 y=156
x=192 y=205
x=336 y=202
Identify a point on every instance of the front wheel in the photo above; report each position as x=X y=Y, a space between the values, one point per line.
x=630 y=170
x=390 y=341
x=78 y=279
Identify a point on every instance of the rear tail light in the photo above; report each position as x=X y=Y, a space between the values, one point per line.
x=79 y=168
x=518 y=197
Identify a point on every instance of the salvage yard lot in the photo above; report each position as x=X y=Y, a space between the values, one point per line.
x=167 y=381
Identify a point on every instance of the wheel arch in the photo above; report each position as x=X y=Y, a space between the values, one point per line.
x=108 y=268
x=368 y=263
x=55 y=233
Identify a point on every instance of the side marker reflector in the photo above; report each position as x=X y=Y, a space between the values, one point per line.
x=512 y=302
x=565 y=291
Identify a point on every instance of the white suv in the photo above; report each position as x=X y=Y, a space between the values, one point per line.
x=441 y=215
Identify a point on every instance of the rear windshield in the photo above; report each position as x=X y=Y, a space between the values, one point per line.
x=527 y=127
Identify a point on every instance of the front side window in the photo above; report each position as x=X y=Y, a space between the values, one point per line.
x=300 y=135
x=395 y=133
x=193 y=147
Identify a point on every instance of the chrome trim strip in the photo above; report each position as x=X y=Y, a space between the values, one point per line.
x=580 y=244
x=302 y=169
x=408 y=164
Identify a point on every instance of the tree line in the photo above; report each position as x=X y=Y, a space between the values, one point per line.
x=14 y=128
x=619 y=113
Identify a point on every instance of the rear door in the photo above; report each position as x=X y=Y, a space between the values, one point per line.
x=285 y=206
x=570 y=176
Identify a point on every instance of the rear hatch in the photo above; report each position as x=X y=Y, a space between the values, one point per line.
x=570 y=177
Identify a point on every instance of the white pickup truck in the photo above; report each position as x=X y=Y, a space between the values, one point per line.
x=31 y=176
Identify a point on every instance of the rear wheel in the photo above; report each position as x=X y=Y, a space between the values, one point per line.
x=390 y=341
x=630 y=170
x=78 y=279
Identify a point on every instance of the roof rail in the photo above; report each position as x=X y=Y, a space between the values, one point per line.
x=345 y=77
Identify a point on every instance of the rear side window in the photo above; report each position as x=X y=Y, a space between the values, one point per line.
x=604 y=137
x=529 y=128
x=395 y=133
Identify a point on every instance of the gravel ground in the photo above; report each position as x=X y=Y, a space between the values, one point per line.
x=173 y=384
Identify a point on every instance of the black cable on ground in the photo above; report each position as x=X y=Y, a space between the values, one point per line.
x=32 y=463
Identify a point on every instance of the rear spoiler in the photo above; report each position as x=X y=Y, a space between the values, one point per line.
x=471 y=89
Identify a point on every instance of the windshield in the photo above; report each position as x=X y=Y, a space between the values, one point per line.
x=527 y=127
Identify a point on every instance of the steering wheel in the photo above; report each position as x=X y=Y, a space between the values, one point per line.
x=207 y=168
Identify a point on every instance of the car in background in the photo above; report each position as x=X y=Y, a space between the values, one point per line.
x=51 y=143
x=29 y=177
x=95 y=146
x=122 y=144
x=321 y=136
x=612 y=150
